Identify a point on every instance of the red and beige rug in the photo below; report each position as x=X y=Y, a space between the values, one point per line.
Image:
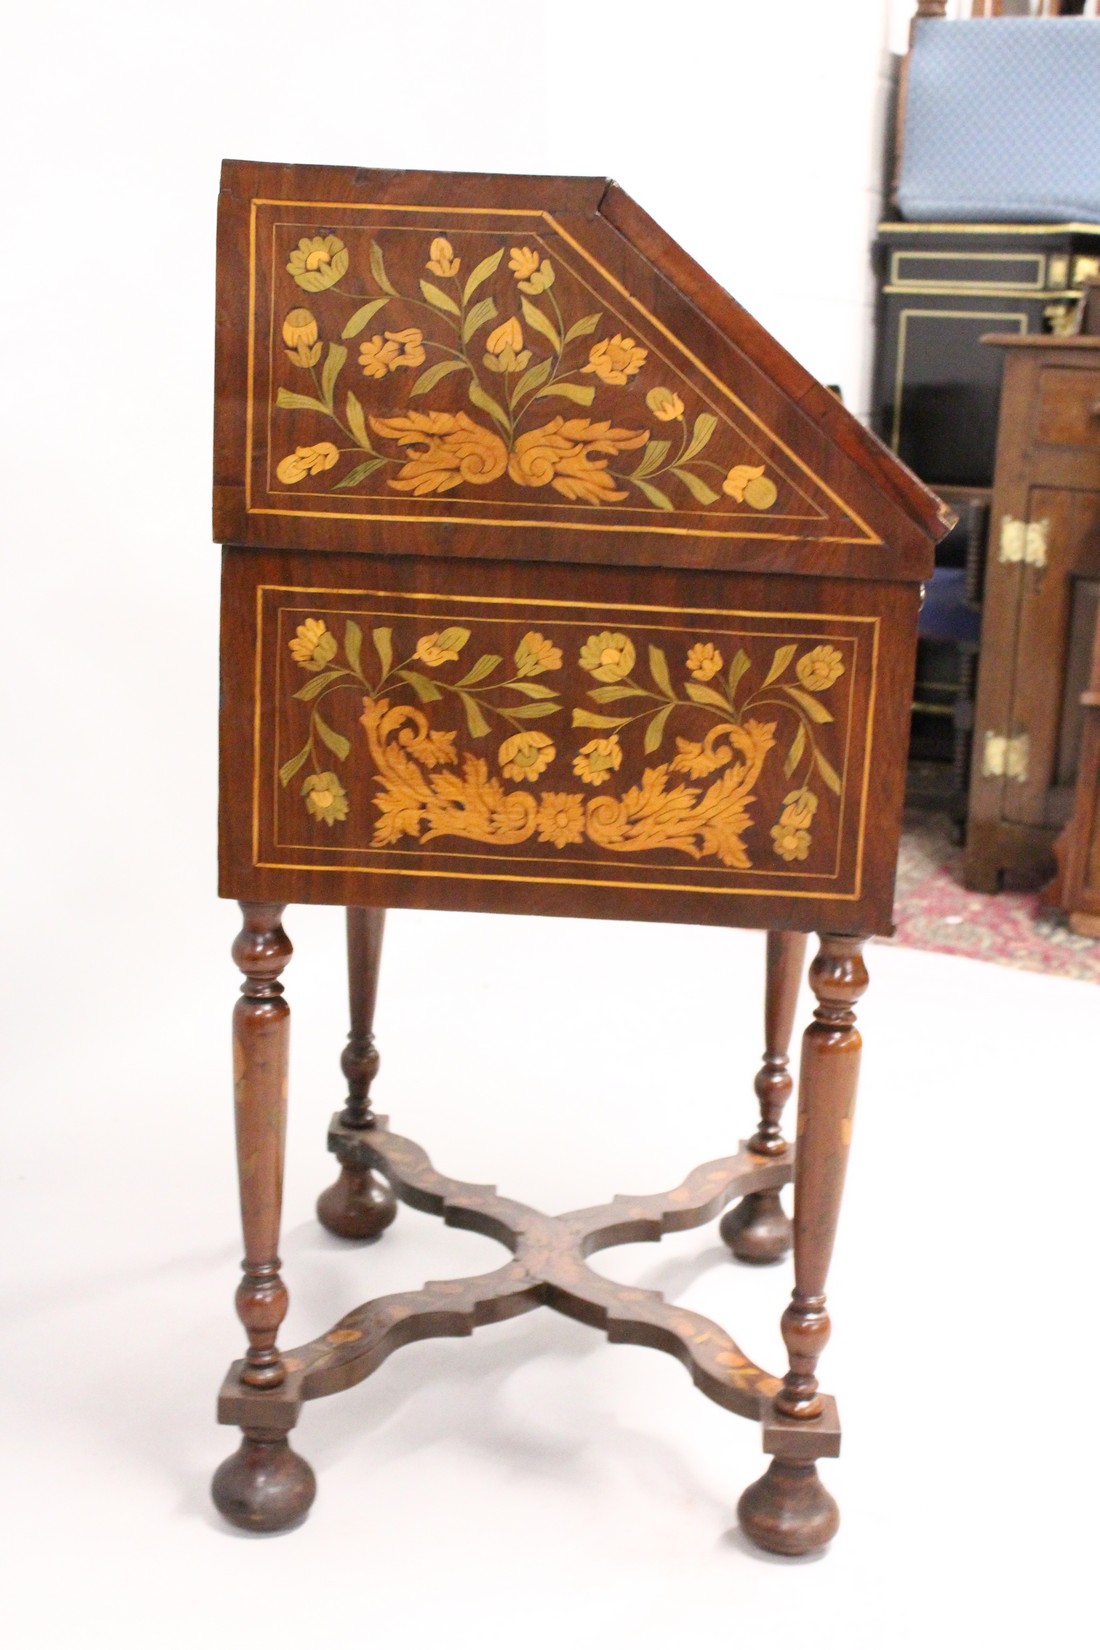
x=934 y=912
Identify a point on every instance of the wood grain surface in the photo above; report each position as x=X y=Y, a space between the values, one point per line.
x=337 y=281
x=415 y=789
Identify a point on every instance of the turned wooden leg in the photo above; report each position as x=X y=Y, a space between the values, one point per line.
x=359 y=1204
x=264 y=1485
x=757 y=1228
x=789 y=1510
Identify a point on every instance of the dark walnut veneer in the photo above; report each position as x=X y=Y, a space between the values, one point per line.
x=551 y=584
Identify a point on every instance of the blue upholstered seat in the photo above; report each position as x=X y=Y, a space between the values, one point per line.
x=1002 y=121
x=946 y=615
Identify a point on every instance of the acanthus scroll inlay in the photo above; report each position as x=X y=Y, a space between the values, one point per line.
x=466 y=744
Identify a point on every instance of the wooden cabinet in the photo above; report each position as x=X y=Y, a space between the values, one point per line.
x=1077 y=888
x=935 y=394
x=551 y=586
x=1042 y=584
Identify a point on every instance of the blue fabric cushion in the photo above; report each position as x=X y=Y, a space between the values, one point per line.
x=946 y=615
x=1002 y=121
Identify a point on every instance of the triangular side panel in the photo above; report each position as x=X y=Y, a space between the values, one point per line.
x=479 y=354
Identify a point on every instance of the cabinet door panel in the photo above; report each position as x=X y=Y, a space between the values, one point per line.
x=1072 y=548
x=1068 y=414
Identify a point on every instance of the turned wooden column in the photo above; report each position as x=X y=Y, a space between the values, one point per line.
x=261 y=1041
x=264 y=1485
x=359 y=1204
x=757 y=1228
x=789 y=1510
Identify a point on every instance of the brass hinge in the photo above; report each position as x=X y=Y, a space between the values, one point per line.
x=1005 y=758
x=1024 y=541
x=1035 y=542
x=1013 y=538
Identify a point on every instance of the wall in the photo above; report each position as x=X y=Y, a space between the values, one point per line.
x=751 y=131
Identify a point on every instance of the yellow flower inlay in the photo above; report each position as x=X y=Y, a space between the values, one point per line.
x=442 y=645
x=380 y=355
x=614 y=360
x=761 y=493
x=325 y=797
x=609 y=656
x=300 y=337
x=790 y=842
x=452 y=447
x=738 y=478
x=819 y=669
x=307 y=461
x=597 y=761
x=523 y=262
x=791 y=837
x=318 y=262
x=664 y=404
x=534 y=654
x=312 y=643
x=442 y=260
x=526 y=755
x=704 y=661
x=533 y=272
x=799 y=809
x=562 y=453
x=508 y=333
x=748 y=484
x=300 y=327
x=560 y=818
x=504 y=348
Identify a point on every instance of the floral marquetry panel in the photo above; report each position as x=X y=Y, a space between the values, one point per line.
x=411 y=362
x=487 y=373
x=555 y=744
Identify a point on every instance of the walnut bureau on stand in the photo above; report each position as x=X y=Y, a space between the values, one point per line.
x=551 y=585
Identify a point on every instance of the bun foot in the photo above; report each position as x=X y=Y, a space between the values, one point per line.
x=757 y=1229
x=264 y=1485
x=789 y=1510
x=357 y=1205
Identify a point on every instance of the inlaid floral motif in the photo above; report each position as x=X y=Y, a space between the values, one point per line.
x=500 y=336
x=819 y=668
x=595 y=762
x=325 y=797
x=696 y=801
x=300 y=338
x=307 y=461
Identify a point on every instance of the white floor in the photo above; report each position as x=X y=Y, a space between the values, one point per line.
x=535 y=1485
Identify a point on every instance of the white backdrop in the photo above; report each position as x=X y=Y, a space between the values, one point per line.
x=752 y=131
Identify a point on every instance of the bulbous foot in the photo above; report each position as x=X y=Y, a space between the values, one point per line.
x=789 y=1510
x=264 y=1485
x=357 y=1205
x=757 y=1229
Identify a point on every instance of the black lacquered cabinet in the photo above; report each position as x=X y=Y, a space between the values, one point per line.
x=941 y=288
x=935 y=400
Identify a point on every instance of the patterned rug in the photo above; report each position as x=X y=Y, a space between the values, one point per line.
x=934 y=912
